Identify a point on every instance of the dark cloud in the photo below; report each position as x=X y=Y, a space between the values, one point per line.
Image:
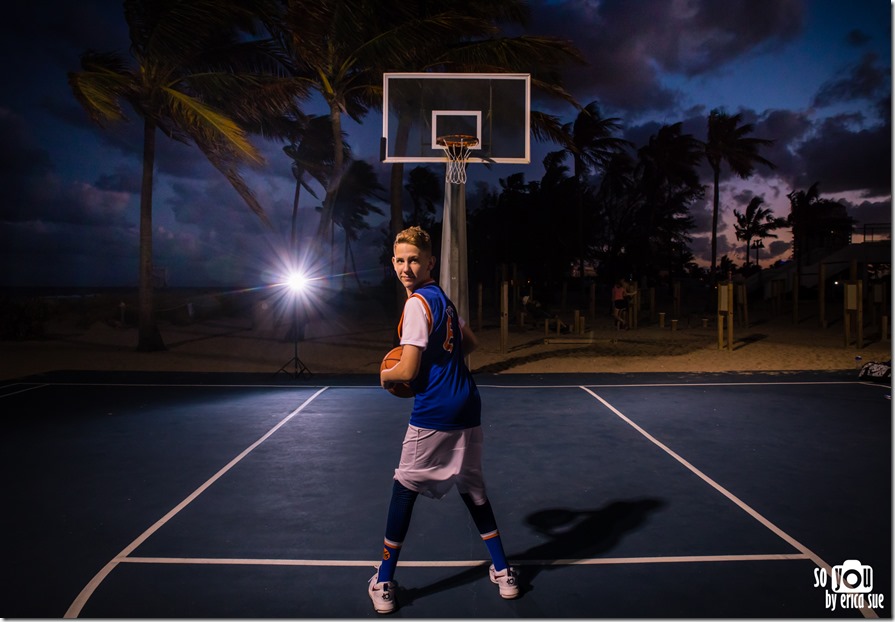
x=33 y=191
x=628 y=43
x=701 y=213
x=785 y=128
x=843 y=159
x=778 y=249
x=857 y=37
x=870 y=212
x=866 y=79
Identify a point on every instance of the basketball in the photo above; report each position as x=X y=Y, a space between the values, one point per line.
x=400 y=389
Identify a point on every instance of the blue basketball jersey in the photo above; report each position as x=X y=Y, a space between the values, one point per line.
x=446 y=396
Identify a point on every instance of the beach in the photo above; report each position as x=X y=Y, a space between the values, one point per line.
x=354 y=343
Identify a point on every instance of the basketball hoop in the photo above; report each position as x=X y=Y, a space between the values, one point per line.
x=456 y=149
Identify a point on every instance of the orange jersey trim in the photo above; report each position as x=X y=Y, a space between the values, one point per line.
x=426 y=308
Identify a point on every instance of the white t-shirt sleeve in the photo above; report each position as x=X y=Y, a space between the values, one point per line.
x=415 y=325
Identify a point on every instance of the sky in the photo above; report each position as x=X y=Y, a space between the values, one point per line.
x=814 y=76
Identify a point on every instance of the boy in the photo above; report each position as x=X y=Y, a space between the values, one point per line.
x=443 y=443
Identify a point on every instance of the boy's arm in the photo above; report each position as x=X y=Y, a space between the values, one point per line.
x=406 y=369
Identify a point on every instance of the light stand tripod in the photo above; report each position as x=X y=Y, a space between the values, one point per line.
x=298 y=366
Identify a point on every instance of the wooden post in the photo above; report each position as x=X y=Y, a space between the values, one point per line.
x=652 y=304
x=504 y=315
x=661 y=320
x=725 y=312
x=795 y=297
x=742 y=304
x=576 y=315
x=852 y=310
x=822 y=294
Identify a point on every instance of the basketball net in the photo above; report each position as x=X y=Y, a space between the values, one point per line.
x=456 y=149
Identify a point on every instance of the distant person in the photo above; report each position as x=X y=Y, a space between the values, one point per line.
x=443 y=443
x=620 y=297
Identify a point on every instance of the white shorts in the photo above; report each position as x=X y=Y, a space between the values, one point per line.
x=432 y=461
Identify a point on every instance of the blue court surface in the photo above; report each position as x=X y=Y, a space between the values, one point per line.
x=617 y=496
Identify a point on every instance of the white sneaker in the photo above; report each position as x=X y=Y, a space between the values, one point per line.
x=382 y=594
x=506 y=581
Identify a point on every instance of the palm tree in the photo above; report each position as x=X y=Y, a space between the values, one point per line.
x=197 y=76
x=619 y=199
x=727 y=141
x=666 y=174
x=756 y=222
x=354 y=203
x=311 y=149
x=591 y=144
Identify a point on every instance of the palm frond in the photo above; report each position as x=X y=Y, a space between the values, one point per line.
x=102 y=85
x=205 y=121
x=548 y=128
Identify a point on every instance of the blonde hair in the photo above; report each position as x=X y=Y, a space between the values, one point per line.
x=415 y=236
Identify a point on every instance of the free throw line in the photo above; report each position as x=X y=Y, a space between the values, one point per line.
x=363 y=563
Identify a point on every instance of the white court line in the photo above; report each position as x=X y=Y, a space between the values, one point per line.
x=666 y=384
x=808 y=553
x=27 y=388
x=187 y=385
x=75 y=608
x=355 y=563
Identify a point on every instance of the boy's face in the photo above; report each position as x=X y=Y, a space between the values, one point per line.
x=413 y=266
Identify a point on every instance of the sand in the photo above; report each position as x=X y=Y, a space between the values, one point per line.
x=337 y=346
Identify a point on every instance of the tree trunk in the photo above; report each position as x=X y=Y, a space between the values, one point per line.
x=149 y=339
x=293 y=241
x=715 y=204
x=335 y=180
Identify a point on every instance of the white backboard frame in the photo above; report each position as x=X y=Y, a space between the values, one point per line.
x=480 y=153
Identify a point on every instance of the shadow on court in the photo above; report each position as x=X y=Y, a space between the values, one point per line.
x=573 y=534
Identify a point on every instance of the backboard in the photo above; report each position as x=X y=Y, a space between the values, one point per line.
x=418 y=108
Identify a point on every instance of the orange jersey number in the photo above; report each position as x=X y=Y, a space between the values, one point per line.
x=448 y=344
